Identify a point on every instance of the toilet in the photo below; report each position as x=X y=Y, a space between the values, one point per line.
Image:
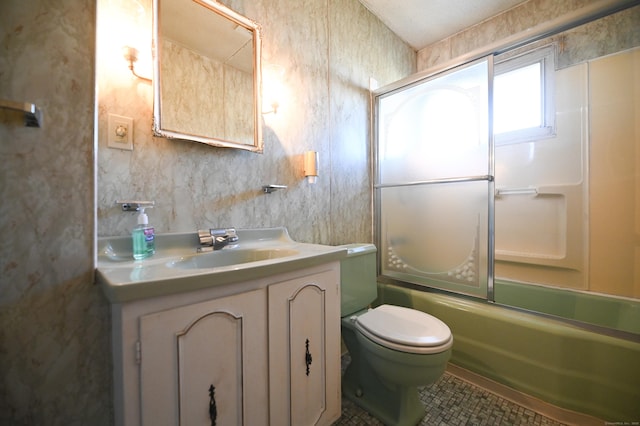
x=393 y=349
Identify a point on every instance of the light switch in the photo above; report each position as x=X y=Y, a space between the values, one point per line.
x=120 y=132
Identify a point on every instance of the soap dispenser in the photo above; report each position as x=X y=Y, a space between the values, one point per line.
x=143 y=236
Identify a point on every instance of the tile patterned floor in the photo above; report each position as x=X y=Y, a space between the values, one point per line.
x=452 y=401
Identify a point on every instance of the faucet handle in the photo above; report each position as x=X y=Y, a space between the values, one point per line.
x=205 y=236
x=232 y=235
x=216 y=238
x=223 y=236
x=228 y=234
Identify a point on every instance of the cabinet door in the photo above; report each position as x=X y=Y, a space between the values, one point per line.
x=206 y=361
x=304 y=349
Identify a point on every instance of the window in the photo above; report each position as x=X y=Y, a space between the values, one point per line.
x=523 y=97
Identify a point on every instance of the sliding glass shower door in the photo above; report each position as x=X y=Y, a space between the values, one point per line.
x=434 y=181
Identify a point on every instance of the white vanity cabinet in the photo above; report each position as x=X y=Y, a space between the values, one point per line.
x=304 y=353
x=265 y=351
x=205 y=362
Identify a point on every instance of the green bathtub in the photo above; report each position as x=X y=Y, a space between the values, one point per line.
x=555 y=361
x=607 y=311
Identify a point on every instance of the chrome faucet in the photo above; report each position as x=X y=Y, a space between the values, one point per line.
x=216 y=238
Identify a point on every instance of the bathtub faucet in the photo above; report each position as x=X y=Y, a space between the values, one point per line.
x=216 y=238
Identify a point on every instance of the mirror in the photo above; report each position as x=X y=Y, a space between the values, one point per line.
x=206 y=74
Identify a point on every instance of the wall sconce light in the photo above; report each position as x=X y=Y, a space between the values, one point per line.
x=274 y=108
x=131 y=55
x=272 y=88
x=311 y=166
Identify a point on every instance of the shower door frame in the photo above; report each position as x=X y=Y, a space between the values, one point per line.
x=489 y=177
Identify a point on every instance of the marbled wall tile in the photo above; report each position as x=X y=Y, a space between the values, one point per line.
x=352 y=65
x=54 y=338
x=202 y=96
x=517 y=19
x=437 y=53
x=188 y=82
x=611 y=34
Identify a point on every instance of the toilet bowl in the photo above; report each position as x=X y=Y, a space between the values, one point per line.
x=393 y=349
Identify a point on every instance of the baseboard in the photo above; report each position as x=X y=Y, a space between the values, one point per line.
x=559 y=414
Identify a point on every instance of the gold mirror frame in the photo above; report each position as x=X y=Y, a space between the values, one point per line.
x=206 y=110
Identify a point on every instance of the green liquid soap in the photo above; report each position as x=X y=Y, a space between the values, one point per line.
x=144 y=238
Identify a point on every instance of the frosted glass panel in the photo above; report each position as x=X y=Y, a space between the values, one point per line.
x=436 y=129
x=436 y=235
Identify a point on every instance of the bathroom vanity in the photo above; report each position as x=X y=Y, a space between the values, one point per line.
x=249 y=334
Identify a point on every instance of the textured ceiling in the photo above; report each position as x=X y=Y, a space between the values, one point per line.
x=422 y=22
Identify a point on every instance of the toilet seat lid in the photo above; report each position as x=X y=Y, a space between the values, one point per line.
x=405 y=326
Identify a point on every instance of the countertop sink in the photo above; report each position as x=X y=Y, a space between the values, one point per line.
x=176 y=266
x=229 y=257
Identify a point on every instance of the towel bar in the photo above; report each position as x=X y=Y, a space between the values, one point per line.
x=32 y=114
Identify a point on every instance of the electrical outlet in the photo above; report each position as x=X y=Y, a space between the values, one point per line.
x=120 y=132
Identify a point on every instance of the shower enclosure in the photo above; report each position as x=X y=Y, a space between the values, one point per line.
x=435 y=179
x=486 y=194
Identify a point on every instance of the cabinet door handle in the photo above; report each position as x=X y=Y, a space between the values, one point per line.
x=213 y=411
x=307 y=356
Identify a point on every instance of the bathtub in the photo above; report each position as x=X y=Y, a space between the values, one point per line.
x=616 y=313
x=558 y=362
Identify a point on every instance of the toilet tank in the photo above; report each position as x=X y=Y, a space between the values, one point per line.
x=358 y=274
